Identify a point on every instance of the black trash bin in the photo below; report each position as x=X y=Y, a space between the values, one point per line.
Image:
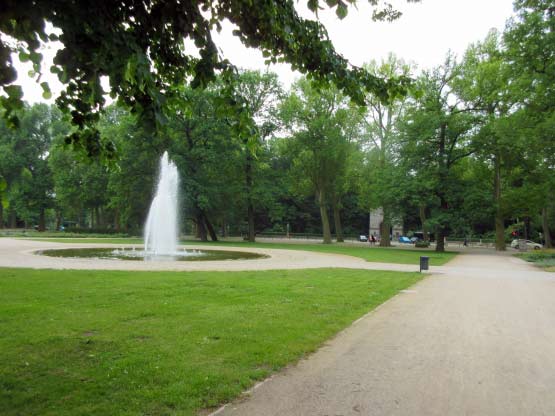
x=424 y=263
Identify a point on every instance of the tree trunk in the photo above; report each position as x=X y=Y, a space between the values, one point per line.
x=251 y=236
x=499 y=232
x=117 y=221
x=201 y=228
x=337 y=221
x=443 y=172
x=545 y=226
x=440 y=239
x=385 y=234
x=526 y=228
x=1 y=215
x=325 y=219
x=441 y=231
x=42 y=220
x=102 y=217
x=499 y=220
x=210 y=228
x=224 y=231
x=13 y=219
x=250 y=206
x=58 y=220
x=385 y=229
x=422 y=212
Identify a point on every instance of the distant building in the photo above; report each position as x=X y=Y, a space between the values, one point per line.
x=376 y=218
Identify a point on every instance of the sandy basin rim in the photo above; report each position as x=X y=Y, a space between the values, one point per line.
x=22 y=253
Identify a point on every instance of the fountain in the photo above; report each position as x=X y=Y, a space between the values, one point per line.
x=161 y=231
x=161 y=228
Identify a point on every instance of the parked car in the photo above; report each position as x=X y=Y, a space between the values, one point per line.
x=405 y=240
x=531 y=244
x=363 y=238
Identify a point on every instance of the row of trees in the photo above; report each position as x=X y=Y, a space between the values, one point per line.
x=469 y=152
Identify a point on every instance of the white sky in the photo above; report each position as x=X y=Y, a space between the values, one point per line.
x=423 y=35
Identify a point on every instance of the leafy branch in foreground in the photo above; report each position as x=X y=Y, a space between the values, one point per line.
x=143 y=49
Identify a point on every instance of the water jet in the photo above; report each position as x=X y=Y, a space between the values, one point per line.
x=161 y=227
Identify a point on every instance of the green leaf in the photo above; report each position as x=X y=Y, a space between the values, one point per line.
x=5 y=201
x=14 y=92
x=130 y=70
x=24 y=57
x=341 y=10
x=26 y=174
x=313 y=5
x=46 y=93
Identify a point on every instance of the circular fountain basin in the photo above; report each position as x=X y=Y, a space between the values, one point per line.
x=141 y=255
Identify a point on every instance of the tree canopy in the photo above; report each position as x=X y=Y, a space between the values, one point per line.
x=140 y=46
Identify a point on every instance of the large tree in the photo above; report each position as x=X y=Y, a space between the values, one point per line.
x=257 y=97
x=483 y=83
x=323 y=126
x=24 y=153
x=381 y=127
x=437 y=134
x=530 y=53
x=209 y=162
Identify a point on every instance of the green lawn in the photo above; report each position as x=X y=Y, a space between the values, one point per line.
x=541 y=258
x=372 y=254
x=165 y=343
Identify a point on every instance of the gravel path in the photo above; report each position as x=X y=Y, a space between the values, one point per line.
x=476 y=339
x=20 y=253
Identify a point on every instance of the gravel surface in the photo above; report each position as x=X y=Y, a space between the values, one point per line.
x=476 y=339
x=21 y=253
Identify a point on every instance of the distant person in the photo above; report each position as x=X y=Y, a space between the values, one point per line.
x=465 y=243
x=372 y=240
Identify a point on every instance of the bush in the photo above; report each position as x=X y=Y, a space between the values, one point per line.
x=422 y=244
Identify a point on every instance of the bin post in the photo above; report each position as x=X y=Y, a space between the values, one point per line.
x=424 y=263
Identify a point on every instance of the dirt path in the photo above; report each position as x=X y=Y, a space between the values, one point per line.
x=478 y=338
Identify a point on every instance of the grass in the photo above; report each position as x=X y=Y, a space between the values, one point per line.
x=371 y=254
x=165 y=343
x=16 y=233
x=541 y=258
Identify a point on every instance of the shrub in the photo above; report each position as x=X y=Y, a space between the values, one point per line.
x=422 y=244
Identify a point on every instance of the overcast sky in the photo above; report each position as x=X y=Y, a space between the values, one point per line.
x=423 y=35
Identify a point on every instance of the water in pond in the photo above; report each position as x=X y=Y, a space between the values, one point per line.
x=141 y=255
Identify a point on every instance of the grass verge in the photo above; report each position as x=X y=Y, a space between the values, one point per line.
x=56 y=234
x=371 y=254
x=165 y=343
x=541 y=258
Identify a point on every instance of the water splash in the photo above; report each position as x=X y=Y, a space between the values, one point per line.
x=161 y=228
